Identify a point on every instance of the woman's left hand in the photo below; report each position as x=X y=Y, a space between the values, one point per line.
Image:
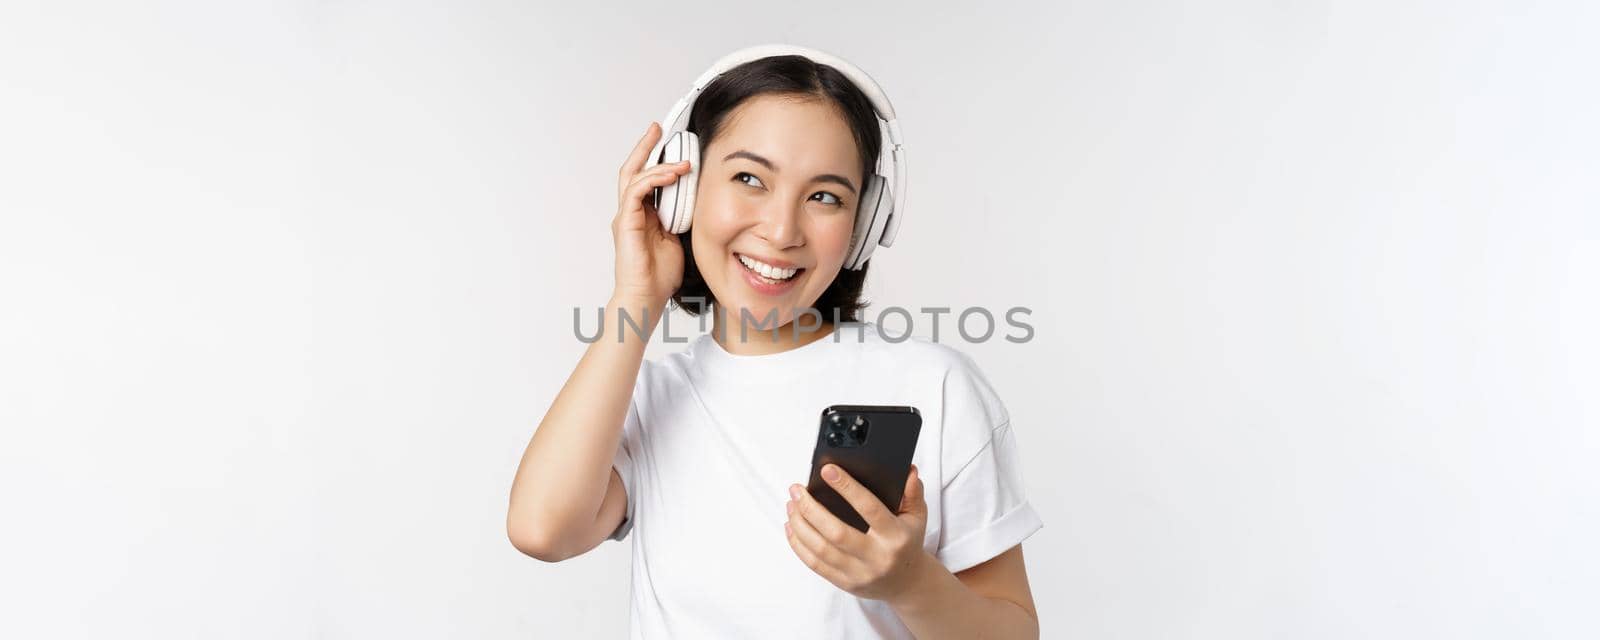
x=880 y=564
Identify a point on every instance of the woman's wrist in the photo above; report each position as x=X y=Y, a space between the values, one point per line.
x=925 y=590
x=625 y=312
x=635 y=301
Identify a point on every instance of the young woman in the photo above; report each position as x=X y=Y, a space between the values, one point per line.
x=704 y=454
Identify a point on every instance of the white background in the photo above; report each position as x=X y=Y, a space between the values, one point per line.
x=286 y=287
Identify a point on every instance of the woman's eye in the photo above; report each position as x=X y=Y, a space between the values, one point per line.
x=749 y=179
x=741 y=178
x=836 y=200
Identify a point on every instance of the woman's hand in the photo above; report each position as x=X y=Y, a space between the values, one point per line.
x=649 y=263
x=882 y=563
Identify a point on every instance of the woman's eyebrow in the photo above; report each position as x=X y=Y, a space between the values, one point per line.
x=826 y=177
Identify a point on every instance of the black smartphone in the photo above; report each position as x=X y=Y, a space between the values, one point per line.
x=874 y=444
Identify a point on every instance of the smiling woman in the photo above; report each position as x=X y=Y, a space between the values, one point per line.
x=771 y=231
x=774 y=204
x=780 y=118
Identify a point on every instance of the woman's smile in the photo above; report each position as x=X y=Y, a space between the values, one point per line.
x=768 y=276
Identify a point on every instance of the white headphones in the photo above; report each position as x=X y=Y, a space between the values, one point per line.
x=879 y=210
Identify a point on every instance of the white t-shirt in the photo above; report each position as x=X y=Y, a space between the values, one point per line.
x=713 y=440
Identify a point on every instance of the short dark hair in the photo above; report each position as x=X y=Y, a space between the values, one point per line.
x=798 y=76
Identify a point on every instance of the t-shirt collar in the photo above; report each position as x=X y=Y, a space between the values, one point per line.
x=715 y=361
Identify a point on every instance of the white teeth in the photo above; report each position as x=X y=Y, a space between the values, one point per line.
x=766 y=270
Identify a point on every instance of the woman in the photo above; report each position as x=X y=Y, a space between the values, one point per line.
x=704 y=453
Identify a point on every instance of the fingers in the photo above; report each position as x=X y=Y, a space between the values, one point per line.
x=865 y=502
x=913 y=500
x=832 y=529
x=673 y=169
x=640 y=153
x=811 y=559
x=805 y=536
x=631 y=212
x=657 y=176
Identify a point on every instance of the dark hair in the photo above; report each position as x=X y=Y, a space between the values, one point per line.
x=798 y=76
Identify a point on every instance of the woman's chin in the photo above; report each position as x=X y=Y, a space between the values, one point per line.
x=757 y=317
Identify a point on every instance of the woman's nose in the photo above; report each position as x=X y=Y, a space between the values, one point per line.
x=780 y=226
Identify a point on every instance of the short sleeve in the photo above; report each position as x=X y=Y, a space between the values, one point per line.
x=984 y=506
x=623 y=462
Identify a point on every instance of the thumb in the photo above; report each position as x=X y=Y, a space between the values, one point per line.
x=912 y=501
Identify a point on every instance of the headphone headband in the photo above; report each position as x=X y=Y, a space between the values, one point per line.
x=677 y=118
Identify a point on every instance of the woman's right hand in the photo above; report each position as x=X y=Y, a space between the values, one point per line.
x=649 y=264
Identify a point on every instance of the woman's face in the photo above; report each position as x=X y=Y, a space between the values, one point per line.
x=777 y=192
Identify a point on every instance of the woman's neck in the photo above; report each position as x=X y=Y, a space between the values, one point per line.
x=761 y=341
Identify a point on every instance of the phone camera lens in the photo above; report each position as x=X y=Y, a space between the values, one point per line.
x=835 y=439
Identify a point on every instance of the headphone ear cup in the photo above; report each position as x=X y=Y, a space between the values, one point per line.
x=872 y=212
x=690 y=182
x=675 y=202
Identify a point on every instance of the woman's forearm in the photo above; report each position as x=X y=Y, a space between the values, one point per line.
x=941 y=606
x=562 y=478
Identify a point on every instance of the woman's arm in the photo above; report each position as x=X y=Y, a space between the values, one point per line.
x=566 y=498
x=990 y=600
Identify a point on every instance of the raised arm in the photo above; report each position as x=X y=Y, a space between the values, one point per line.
x=566 y=497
